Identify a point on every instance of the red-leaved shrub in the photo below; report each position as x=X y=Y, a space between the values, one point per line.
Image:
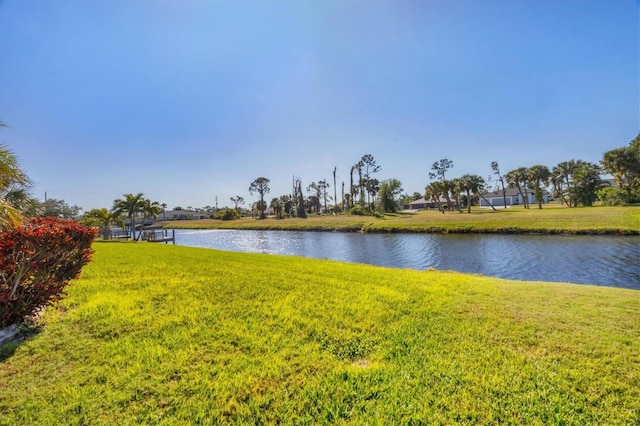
x=37 y=261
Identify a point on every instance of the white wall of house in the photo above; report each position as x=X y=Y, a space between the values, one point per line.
x=497 y=200
x=181 y=215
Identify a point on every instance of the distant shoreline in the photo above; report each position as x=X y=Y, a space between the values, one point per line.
x=551 y=220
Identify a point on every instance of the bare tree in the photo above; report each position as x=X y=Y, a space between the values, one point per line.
x=237 y=201
x=496 y=171
x=335 y=189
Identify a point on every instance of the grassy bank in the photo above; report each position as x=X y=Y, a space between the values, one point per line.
x=551 y=219
x=155 y=334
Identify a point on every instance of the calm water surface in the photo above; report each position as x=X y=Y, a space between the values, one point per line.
x=596 y=260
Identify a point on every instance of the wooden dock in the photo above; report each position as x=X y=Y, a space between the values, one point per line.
x=159 y=236
x=120 y=234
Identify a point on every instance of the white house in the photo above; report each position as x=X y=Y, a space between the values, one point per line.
x=513 y=196
x=182 y=215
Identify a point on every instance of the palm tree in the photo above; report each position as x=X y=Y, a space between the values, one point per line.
x=561 y=179
x=624 y=164
x=277 y=206
x=447 y=189
x=19 y=198
x=103 y=219
x=323 y=186
x=11 y=178
x=131 y=205
x=586 y=182
x=517 y=178
x=150 y=208
x=164 y=211
x=540 y=175
x=472 y=184
x=433 y=191
x=456 y=188
x=315 y=194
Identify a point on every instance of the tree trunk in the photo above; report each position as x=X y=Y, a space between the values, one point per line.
x=570 y=197
x=132 y=225
x=106 y=232
x=522 y=195
x=335 y=191
x=490 y=204
x=449 y=203
x=438 y=205
x=525 y=200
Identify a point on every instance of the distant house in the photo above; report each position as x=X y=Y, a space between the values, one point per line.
x=513 y=196
x=182 y=215
x=269 y=211
x=424 y=204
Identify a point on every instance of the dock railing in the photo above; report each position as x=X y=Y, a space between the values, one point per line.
x=159 y=236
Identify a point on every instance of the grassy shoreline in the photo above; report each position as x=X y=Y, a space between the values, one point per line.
x=156 y=334
x=516 y=220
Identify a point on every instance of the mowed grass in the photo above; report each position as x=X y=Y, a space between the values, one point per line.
x=550 y=219
x=157 y=334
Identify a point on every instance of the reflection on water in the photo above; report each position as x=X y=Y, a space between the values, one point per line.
x=598 y=260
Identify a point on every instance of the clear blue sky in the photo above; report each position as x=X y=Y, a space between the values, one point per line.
x=188 y=100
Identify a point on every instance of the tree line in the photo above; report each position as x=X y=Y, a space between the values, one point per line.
x=38 y=255
x=573 y=182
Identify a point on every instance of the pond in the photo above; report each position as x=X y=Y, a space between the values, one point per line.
x=584 y=259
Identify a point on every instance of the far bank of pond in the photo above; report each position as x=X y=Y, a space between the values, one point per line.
x=550 y=220
x=601 y=260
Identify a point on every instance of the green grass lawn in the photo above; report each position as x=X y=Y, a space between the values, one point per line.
x=550 y=219
x=157 y=334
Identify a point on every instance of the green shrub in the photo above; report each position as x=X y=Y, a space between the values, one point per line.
x=363 y=211
x=226 y=214
x=614 y=197
x=359 y=211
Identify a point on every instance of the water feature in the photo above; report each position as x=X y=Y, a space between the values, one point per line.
x=586 y=259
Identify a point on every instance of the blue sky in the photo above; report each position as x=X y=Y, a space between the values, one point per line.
x=187 y=101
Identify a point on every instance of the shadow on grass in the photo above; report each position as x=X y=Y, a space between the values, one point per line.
x=25 y=332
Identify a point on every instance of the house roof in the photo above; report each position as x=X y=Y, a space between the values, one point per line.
x=418 y=201
x=422 y=201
